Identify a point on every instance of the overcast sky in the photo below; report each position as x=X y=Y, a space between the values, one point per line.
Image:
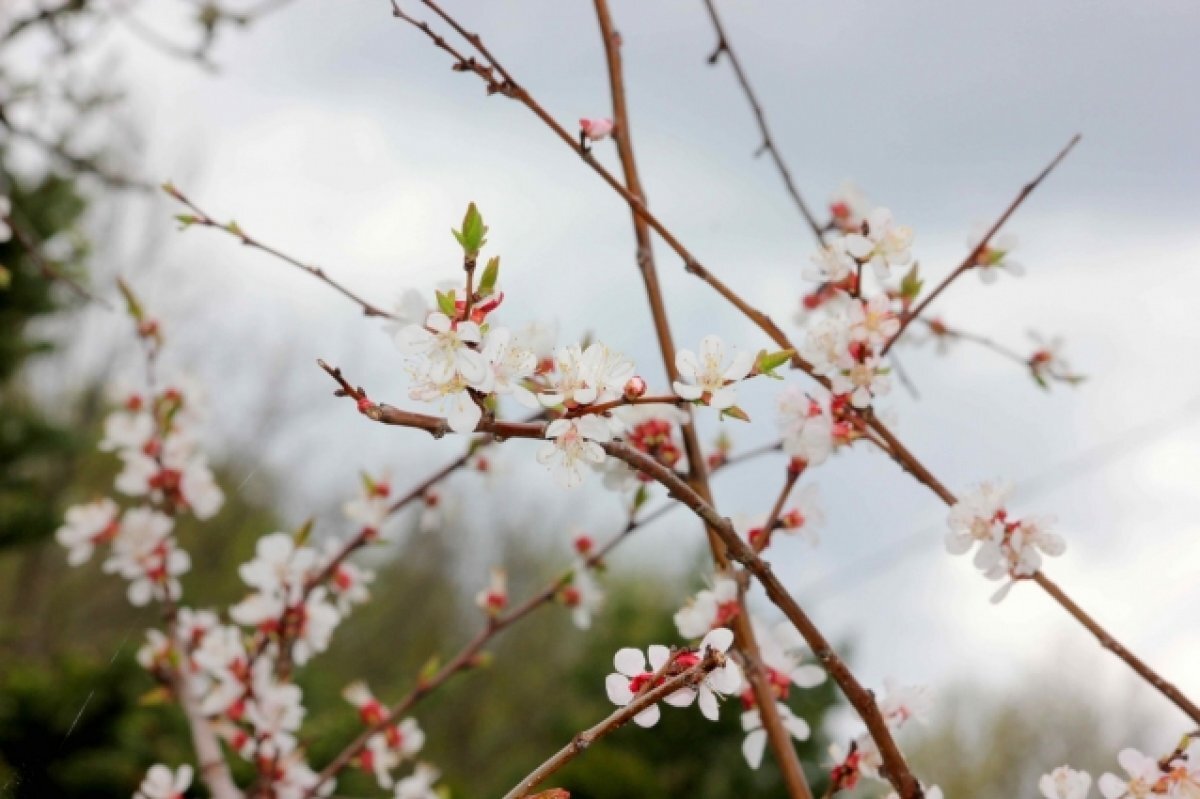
x=341 y=135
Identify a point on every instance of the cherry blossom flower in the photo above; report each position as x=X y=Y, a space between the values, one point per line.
x=144 y=553
x=511 y=364
x=128 y=429
x=707 y=378
x=632 y=676
x=222 y=658
x=539 y=338
x=315 y=622
x=584 y=376
x=804 y=517
x=806 y=427
x=724 y=680
x=781 y=650
x=1047 y=363
x=574 y=443
x=274 y=709
x=993 y=258
x=279 y=565
x=348 y=585
x=1065 y=782
x=709 y=608
x=1007 y=546
x=448 y=347
x=596 y=129
x=830 y=264
x=85 y=527
x=863 y=380
x=493 y=599
x=848 y=206
x=826 y=344
x=756 y=736
x=903 y=703
x=1144 y=775
x=653 y=429
x=873 y=321
x=156 y=652
x=419 y=784
x=162 y=783
x=372 y=505
x=583 y=595
x=881 y=243
x=175 y=474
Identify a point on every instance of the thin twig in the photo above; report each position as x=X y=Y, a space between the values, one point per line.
x=971 y=261
x=199 y=217
x=768 y=142
x=662 y=688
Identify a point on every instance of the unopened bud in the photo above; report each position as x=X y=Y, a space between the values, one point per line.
x=635 y=388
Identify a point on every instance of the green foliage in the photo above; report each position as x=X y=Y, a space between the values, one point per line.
x=473 y=234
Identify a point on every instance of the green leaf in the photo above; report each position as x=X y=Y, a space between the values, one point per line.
x=641 y=497
x=734 y=412
x=473 y=234
x=911 y=284
x=768 y=362
x=430 y=669
x=445 y=301
x=491 y=272
x=131 y=301
x=302 y=534
x=186 y=220
x=159 y=695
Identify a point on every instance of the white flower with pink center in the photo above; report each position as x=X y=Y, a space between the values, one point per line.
x=830 y=264
x=419 y=784
x=493 y=599
x=848 y=206
x=1065 y=783
x=755 y=742
x=881 y=243
x=1143 y=777
x=447 y=348
x=993 y=258
x=85 y=527
x=872 y=321
x=826 y=343
x=806 y=427
x=636 y=674
x=511 y=365
x=144 y=553
x=162 y=783
x=711 y=376
x=709 y=608
x=128 y=429
x=574 y=444
x=584 y=376
x=864 y=379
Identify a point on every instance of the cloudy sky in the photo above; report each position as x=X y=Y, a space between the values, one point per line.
x=341 y=135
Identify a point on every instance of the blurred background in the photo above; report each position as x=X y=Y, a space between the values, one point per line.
x=341 y=136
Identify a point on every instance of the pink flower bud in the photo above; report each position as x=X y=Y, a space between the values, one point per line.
x=636 y=387
x=596 y=129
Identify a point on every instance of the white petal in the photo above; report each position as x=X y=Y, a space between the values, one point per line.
x=648 y=717
x=753 y=747
x=687 y=391
x=681 y=698
x=617 y=686
x=630 y=662
x=718 y=640
x=743 y=362
x=708 y=704
x=659 y=655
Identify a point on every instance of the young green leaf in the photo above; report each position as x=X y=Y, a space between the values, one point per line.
x=491 y=273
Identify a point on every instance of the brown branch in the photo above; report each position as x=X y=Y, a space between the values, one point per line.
x=972 y=258
x=768 y=142
x=510 y=88
x=777 y=734
x=199 y=217
x=777 y=509
x=616 y=720
x=895 y=768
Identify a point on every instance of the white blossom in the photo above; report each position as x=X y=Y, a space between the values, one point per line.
x=756 y=736
x=709 y=608
x=85 y=526
x=993 y=258
x=709 y=377
x=806 y=427
x=884 y=244
x=419 y=784
x=574 y=444
x=162 y=783
x=1065 y=782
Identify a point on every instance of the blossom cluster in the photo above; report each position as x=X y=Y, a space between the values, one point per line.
x=780 y=654
x=1176 y=776
x=899 y=705
x=153 y=433
x=1007 y=546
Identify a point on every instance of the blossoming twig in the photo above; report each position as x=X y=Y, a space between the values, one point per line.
x=768 y=143
x=467 y=657
x=199 y=217
x=785 y=754
x=859 y=697
x=973 y=256
x=618 y=719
